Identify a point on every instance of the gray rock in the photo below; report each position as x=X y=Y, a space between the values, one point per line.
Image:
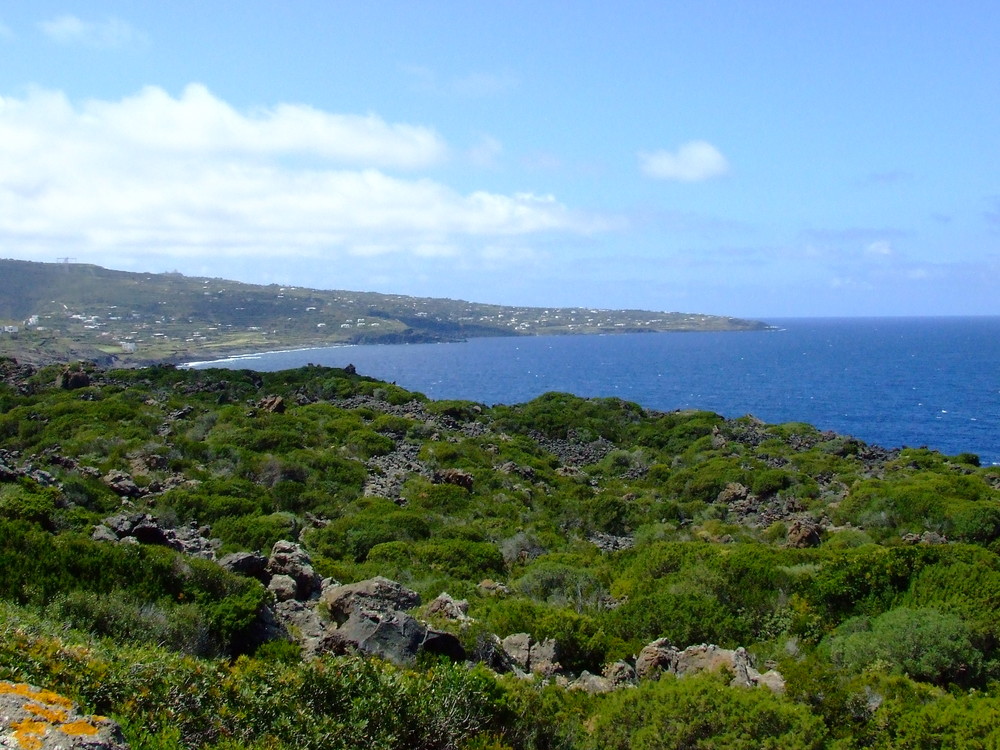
x=283 y=587
x=375 y=594
x=122 y=483
x=539 y=657
x=592 y=683
x=490 y=652
x=288 y=558
x=659 y=656
x=452 y=609
x=394 y=636
x=266 y=627
x=518 y=648
x=38 y=719
x=251 y=564
x=544 y=658
x=300 y=618
x=620 y=673
x=103 y=534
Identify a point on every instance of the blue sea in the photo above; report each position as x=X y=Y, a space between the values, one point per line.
x=893 y=382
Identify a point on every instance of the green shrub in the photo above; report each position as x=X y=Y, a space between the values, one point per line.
x=562 y=585
x=353 y=536
x=923 y=643
x=255 y=532
x=703 y=712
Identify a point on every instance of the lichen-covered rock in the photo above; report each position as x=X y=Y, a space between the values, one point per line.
x=490 y=587
x=35 y=719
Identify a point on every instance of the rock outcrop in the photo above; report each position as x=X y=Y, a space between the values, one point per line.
x=143 y=528
x=368 y=617
x=35 y=719
x=661 y=657
x=291 y=560
x=456 y=610
x=531 y=656
x=374 y=595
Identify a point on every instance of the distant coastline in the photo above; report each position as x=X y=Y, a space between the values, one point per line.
x=59 y=312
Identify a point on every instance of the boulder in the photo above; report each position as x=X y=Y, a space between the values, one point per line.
x=454 y=476
x=703 y=658
x=539 y=657
x=659 y=656
x=375 y=594
x=37 y=719
x=148 y=531
x=518 y=648
x=592 y=683
x=250 y=564
x=266 y=627
x=122 y=483
x=288 y=558
x=103 y=534
x=283 y=587
x=273 y=404
x=492 y=588
x=620 y=674
x=449 y=608
x=71 y=379
x=490 y=652
x=732 y=492
x=394 y=636
x=803 y=534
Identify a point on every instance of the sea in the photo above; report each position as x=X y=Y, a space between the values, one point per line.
x=893 y=382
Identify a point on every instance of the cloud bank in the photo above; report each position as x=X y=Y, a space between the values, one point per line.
x=192 y=175
x=694 y=161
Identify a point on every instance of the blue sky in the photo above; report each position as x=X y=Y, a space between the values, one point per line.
x=762 y=160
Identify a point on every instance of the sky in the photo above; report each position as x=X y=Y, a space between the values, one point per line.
x=771 y=159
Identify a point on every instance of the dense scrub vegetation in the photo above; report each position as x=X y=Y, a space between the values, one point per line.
x=869 y=577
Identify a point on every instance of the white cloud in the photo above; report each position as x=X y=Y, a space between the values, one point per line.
x=110 y=33
x=198 y=121
x=694 y=161
x=194 y=176
x=5 y=31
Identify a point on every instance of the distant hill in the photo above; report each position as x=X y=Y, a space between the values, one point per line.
x=80 y=311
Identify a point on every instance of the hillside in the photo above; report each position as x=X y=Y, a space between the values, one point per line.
x=197 y=555
x=88 y=312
